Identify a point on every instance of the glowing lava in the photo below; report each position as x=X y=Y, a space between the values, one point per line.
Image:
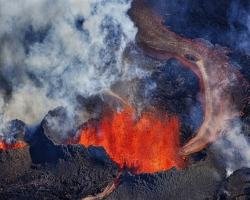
x=6 y=146
x=148 y=144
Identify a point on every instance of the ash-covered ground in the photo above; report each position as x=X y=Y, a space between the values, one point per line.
x=49 y=170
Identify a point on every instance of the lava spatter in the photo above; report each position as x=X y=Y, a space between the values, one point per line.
x=15 y=145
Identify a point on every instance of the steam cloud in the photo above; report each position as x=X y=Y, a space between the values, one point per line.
x=53 y=51
x=232 y=148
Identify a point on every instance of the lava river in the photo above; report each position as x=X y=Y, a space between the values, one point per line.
x=148 y=144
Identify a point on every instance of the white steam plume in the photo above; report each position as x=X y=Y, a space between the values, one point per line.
x=53 y=50
x=232 y=148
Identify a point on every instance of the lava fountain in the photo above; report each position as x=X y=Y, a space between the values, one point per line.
x=148 y=144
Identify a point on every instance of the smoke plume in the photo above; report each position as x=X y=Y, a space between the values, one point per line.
x=51 y=52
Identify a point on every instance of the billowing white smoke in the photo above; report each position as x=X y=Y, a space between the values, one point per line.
x=231 y=147
x=53 y=50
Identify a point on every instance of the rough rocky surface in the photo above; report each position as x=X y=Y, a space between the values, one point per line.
x=236 y=186
x=198 y=181
x=45 y=169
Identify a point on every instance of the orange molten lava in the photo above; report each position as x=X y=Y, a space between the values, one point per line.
x=146 y=145
x=16 y=145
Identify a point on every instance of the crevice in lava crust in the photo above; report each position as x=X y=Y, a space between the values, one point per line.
x=107 y=191
x=222 y=86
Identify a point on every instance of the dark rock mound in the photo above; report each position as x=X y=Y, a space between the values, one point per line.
x=236 y=186
x=46 y=169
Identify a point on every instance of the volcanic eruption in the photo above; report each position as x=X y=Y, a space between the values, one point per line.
x=219 y=82
x=136 y=109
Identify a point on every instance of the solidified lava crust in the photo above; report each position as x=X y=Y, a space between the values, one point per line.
x=195 y=182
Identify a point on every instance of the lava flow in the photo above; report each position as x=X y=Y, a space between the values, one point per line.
x=6 y=146
x=149 y=144
x=223 y=89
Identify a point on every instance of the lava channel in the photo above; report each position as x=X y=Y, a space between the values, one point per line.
x=223 y=91
x=148 y=144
